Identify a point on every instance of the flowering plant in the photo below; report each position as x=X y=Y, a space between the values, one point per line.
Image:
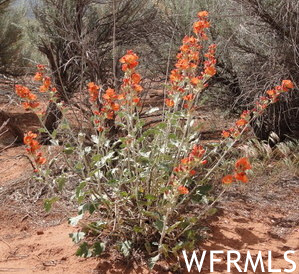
x=139 y=191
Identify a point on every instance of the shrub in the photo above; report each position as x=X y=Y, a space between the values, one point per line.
x=148 y=188
x=11 y=34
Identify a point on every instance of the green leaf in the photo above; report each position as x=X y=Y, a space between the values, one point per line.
x=150 y=197
x=84 y=251
x=75 y=220
x=162 y=125
x=79 y=189
x=212 y=211
x=79 y=166
x=125 y=248
x=177 y=247
x=96 y=157
x=61 y=182
x=54 y=134
x=49 y=202
x=90 y=207
x=68 y=149
x=137 y=229
x=164 y=249
x=99 y=225
x=98 y=248
x=159 y=225
x=153 y=215
x=152 y=261
x=77 y=237
x=42 y=130
x=173 y=227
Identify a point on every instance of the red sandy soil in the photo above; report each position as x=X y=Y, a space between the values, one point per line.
x=260 y=216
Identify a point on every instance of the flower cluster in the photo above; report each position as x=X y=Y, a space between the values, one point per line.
x=93 y=91
x=46 y=81
x=30 y=98
x=33 y=148
x=241 y=166
x=185 y=82
x=187 y=166
x=129 y=91
x=130 y=88
x=201 y=25
x=260 y=106
x=108 y=108
x=209 y=64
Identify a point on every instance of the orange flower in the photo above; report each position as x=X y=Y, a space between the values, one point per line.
x=33 y=147
x=38 y=76
x=110 y=115
x=93 y=91
x=194 y=81
x=115 y=106
x=197 y=151
x=136 y=100
x=129 y=60
x=192 y=172
x=185 y=161
x=175 y=75
x=191 y=40
x=241 y=176
x=203 y=14
x=287 y=84
x=182 y=64
x=121 y=96
x=225 y=134
x=47 y=82
x=137 y=88
x=40 y=160
x=183 y=190
x=28 y=105
x=199 y=26
x=124 y=67
x=179 y=168
x=271 y=92
x=184 y=48
x=243 y=164
x=136 y=78
x=203 y=162
x=43 y=88
x=40 y=67
x=110 y=94
x=23 y=91
x=169 y=102
x=189 y=97
x=228 y=179
x=28 y=137
x=245 y=114
x=210 y=71
x=241 y=122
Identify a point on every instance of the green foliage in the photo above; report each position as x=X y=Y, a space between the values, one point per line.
x=11 y=34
